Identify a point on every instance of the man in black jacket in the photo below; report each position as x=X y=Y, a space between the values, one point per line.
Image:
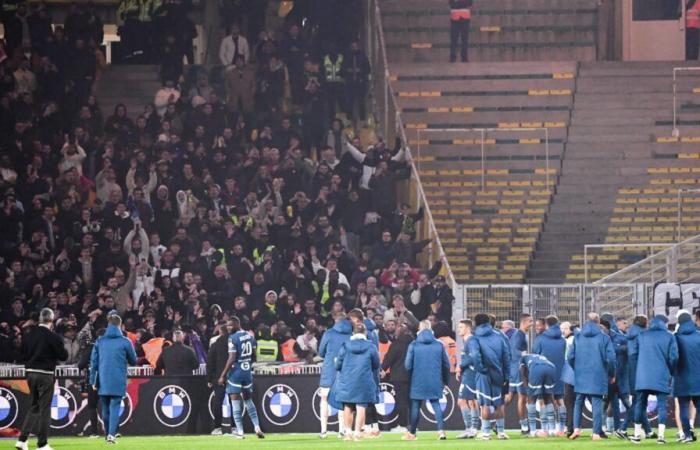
x=177 y=359
x=400 y=378
x=216 y=360
x=42 y=349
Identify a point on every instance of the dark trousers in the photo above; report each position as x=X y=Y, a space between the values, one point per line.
x=692 y=43
x=37 y=421
x=569 y=400
x=459 y=30
x=219 y=394
x=402 y=403
x=92 y=400
x=356 y=95
x=683 y=404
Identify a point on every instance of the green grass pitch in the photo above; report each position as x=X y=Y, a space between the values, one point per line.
x=426 y=439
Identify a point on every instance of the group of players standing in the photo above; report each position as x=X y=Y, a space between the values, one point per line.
x=604 y=362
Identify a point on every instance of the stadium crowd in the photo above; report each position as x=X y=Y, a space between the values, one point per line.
x=256 y=200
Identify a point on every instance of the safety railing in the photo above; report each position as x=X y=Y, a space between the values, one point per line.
x=387 y=111
x=679 y=263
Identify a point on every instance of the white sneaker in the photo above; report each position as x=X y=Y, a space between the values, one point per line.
x=111 y=439
x=398 y=429
x=237 y=436
x=216 y=432
x=323 y=435
x=19 y=445
x=503 y=437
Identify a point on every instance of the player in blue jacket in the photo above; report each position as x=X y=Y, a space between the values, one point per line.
x=539 y=377
x=518 y=347
x=618 y=392
x=639 y=324
x=110 y=357
x=686 y=382
x=656 y=363
x=237 y=376
x=593 y=359
x=429 y=366
x=467 y=383
x=372 y=418
x=491 y=360
x=331 y=342
x=355 y=387
x=552 y=345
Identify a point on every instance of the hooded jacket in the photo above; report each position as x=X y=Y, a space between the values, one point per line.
x=632 y=355
x=622 y=362
x=518 y=347
x=429 y=366
x=552 y=346
x=490 y=354
x=593 y=359
x=331 y=343
x=372 y=334
x=357 y=362
x=657 y=360
x=686 y=382
x=108 y=362
x=466 y=364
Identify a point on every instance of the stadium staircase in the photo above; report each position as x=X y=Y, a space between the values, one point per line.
x=501 y=30
x=132 y=85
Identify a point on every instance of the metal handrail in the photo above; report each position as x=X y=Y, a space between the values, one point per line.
x=389 y=92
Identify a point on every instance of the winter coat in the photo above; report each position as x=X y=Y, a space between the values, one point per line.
x=357 y=362
x=518 y=347
x=657 y=360
x=686 y=382
x=395 y=359
x=466 y=364
x=490 y=354
x=593 y=359
x=429 y=365
x=567 y=372
x=110 y=357
x=632 y=355
x=552 y=346
x=622 y=367
x=331 y=342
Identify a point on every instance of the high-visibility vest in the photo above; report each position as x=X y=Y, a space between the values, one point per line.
x=383 y=349
x=333 y=69
x=692 y=16
x=152 y=350
x=258 y=255
x=451 y=349
x=266 y=351
x=460 y=14
x=222 y=251
x=288 y=353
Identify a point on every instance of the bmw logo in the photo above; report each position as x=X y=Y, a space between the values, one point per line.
x=280 y=404
x=9 y=408
x=386 y=408
x=172 y=406
x=125 y=410
x=447 y=405
x=63 y=408
x=316 y=406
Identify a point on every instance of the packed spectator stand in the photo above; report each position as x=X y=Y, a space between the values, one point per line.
x=242 y=189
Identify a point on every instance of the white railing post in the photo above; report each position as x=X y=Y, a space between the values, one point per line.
x=675 y=132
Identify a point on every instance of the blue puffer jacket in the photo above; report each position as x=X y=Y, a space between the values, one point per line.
x=658 y=356
x=372 y=334
x=686 y=382
x=552 y=346
x=622 y=364
x=357 y=362
x=331 y=342
x=593 y=359
x=110 y=357
x=490 y=354
x=518 y=347
x=632 y=355
x=466 y=363
x=429 y=366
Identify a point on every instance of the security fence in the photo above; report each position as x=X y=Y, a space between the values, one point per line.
x=569 y=302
